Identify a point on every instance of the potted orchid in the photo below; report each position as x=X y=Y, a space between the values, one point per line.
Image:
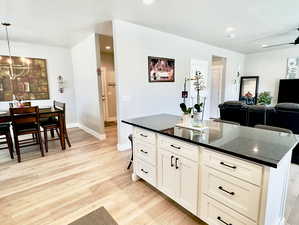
x=186 y=113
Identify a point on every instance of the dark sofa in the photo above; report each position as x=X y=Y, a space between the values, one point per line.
x=284 y=115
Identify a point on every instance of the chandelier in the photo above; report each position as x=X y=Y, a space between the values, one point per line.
x=12 y=66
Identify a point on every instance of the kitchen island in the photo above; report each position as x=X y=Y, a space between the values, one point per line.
x=224 y=174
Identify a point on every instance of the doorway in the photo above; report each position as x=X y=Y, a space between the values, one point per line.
x=108 y=84
x=218 y=85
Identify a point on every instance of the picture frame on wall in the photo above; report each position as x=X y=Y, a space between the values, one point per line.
x=292 y=68
x=161 y=69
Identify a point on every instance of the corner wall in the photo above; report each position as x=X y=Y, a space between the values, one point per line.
x=135 y=95
x=85 y=64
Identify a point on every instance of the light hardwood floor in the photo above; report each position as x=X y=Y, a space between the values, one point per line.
x=64 y=186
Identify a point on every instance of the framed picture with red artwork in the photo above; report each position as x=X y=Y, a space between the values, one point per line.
x=161 y=69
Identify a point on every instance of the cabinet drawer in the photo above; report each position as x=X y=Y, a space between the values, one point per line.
x=178 y=147
x=146 y=171
x=145 y=152
x=233 y=192
x=238 y=168
x=144 y=135
x=214 y=213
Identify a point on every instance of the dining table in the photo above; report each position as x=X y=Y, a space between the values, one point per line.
x=44 y=112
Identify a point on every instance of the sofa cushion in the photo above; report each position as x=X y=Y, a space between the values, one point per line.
x=288 y=106
x=233 y=103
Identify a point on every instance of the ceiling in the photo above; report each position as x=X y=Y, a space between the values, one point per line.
x=63 y=22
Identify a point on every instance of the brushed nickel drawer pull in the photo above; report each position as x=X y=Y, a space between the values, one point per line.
x=176 y=163
x=171 y=162
x=224 y=164
x=143 y=135
x=143 y=151
x=222 y=189
x=175 y=147
x=222 y=221
x=144 y=171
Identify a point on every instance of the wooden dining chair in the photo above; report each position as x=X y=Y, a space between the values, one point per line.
x=5 y=131
x=26 y=121
x=53 y=123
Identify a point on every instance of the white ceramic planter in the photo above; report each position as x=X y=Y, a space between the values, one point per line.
x=186 y=118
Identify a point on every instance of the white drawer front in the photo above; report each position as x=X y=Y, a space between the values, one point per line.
x=144 y=135
x=233 y=192
x=178 y=147
x=238 y=168
x=146 y=171
x=145 y=152
x=214 y=213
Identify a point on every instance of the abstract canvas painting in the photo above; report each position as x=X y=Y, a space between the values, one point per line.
x=293 y=67
x=161 y=69
x=24 y=78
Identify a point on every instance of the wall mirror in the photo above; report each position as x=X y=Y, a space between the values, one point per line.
x=249 y=90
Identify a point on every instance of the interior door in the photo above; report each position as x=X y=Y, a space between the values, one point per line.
x=217 y=72
x=168 y=175
x=188 y=171
x=104 y=93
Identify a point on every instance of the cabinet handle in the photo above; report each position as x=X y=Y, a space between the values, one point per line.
x=176 y=163
x=233 y=167
x=175 y=147
x=171 y=162
x=222 y=221
x=143 y=151
x=222 y=189
x=144 y=171
x=143 y=135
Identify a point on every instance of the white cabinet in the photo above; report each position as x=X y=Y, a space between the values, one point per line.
x=189 y=184
x=218 y=188
x=178 y=178
x=214 y=213
x=168 y=175
x=237 y=194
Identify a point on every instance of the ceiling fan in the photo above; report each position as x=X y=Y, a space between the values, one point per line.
x=296 y=42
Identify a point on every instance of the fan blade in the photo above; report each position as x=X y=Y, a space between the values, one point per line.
x=277 y=45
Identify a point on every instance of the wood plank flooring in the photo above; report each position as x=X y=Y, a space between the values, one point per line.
x=66 y=185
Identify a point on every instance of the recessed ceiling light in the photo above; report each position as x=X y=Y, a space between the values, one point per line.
x=108 y=47
x=148 y=2
x=231 y=36
x=264 y=46
x=230 y=29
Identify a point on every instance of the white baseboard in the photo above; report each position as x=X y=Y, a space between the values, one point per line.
x=72 y=125
x=123 y=147
x=92 y=132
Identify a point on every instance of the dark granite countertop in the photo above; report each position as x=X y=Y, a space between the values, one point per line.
x=256 y=145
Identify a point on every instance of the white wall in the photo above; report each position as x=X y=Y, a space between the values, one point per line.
x=270 y=66
x=136 y=96
x=58 y=63
x=85 y=64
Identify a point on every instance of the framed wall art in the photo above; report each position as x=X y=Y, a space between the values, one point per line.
x=161 y=69
x=24 y=78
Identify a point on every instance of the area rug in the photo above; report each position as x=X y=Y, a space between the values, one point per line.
x=97 y=217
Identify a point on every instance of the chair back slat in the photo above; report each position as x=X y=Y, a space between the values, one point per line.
x=24 y=115
x=26 y=104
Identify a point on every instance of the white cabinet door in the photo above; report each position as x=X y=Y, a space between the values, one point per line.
x=168 y=175
x=188 y=184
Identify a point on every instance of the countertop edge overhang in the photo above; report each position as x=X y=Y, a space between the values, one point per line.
x=241 y=156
